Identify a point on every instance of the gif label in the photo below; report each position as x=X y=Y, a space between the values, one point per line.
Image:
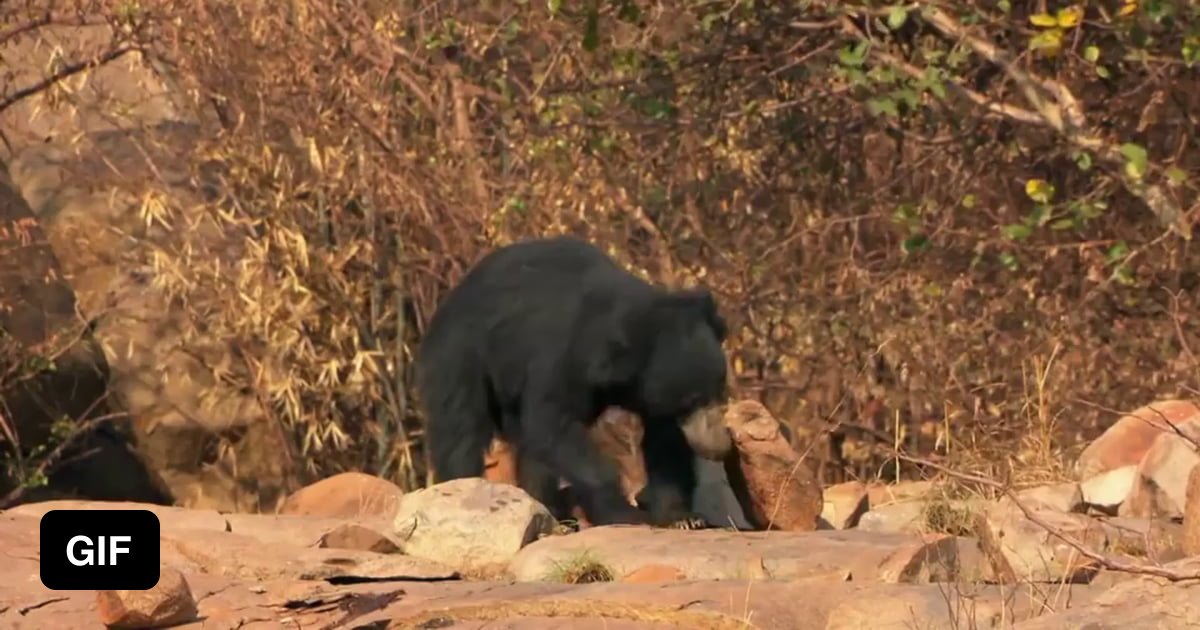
x=99 y=549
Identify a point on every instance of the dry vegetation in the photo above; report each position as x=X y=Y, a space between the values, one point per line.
x=961 y=230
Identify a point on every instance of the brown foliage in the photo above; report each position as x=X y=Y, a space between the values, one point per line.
x=844 y=201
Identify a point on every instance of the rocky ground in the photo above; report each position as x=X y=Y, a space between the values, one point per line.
x=1118 y=549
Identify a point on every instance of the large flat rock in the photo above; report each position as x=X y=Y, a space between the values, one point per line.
x=723 y=555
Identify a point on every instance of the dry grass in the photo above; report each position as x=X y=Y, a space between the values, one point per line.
x=568 y=609
x=582 y=568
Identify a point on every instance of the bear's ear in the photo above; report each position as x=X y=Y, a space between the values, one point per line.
x=701 y=300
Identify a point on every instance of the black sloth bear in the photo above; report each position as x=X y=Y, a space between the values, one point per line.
x=542 y=335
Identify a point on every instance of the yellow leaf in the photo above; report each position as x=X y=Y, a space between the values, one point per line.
x=1070 y=16
x=1127 y=8
x=1039 y=190
x=1048 y=42
x=1044 y=20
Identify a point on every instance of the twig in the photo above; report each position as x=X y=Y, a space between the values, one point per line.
x=53 y=458
x=64 y=73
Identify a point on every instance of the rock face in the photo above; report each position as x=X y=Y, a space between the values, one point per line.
x=87 y=166
x=1022 y=550
x=472 y=525
x=1191 y=515
x=770 y=480
x=169 y=603
x=721 y=555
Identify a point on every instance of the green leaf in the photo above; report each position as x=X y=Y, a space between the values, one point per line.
x=879 y=106
x=1190 y=51
x=1017 y=231
x=853 y=56
x=1123 y=275
x=1136 y=160
x=1083 y=159
x=591 y=29
x=1009 y=261
x=1091 y=53
x=554 y=6
x=968 y=201
x=1063 y=224
x=896 y=17
x=1103 y=72
x=915 y=243
x=1119 y=250
x=1177 y=175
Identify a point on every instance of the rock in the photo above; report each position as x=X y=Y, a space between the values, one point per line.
x=87 y=184
x=345 y=495
x=883 y=493
x=973 y=563
x=714 y=498
x=844 y=504
x=905 y=516
x=470 y=524
x=653 y=574
x=243 y=557
x=1022 y=550
x=1191 y=516
x=169 y=517
x=1160 y=486
x=1142 y=602
x=618 y=434
x=169 y=603
x=714 y=554
x=1127 y=440
x=1108 y=490
x=1061 y=497
x=300 y=531
x=500 y=463
x=951 y=516
x=355 y=536
x=898 y=608
x=1156 y=540
x=769 y=478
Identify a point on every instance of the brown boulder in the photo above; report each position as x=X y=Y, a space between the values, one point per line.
x=844 y=504
x=1127 y=440
x=1161 y=483
x=772 y=482
x=169 y=603
x=345 y=495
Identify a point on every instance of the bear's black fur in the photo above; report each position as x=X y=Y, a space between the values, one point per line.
x=536 y=340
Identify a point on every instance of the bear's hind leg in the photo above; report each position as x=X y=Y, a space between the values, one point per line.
x=458 y=432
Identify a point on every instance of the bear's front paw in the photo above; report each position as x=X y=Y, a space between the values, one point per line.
x=681 y=520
